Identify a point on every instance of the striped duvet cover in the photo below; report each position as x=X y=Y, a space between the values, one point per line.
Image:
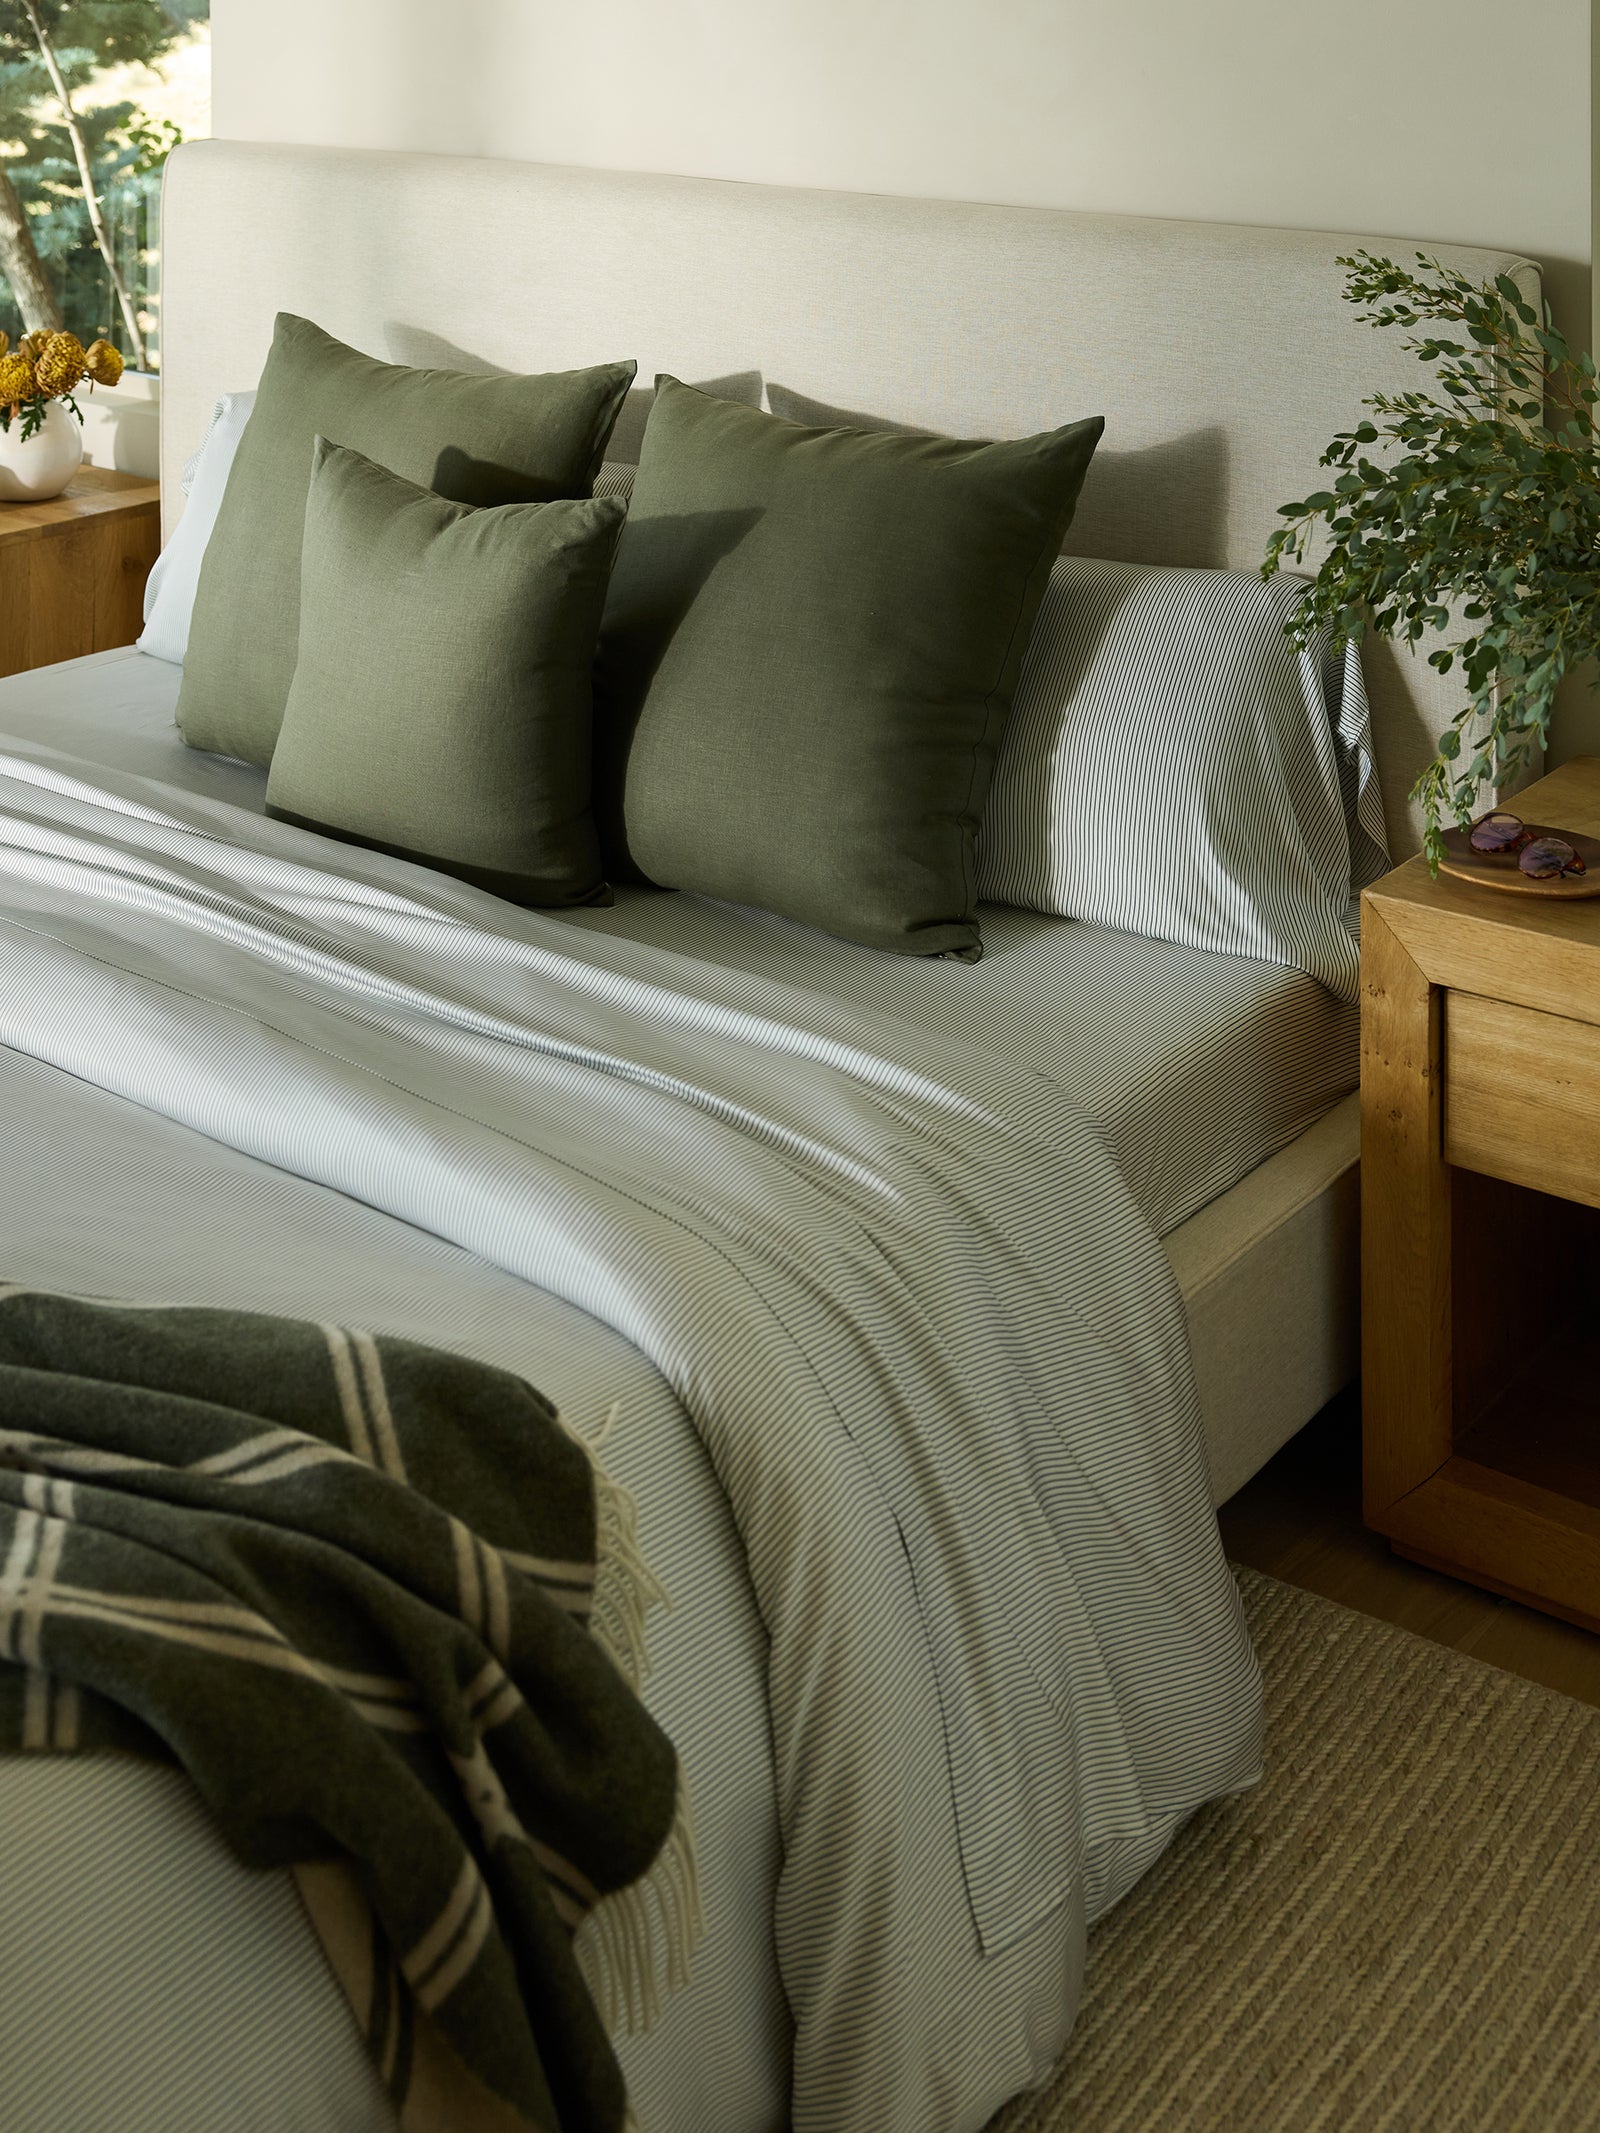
x=921 y=1330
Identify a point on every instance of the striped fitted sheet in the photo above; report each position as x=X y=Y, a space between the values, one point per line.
x=146 y=1205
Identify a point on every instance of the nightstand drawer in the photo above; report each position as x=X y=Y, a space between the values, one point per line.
x=1522 y=1096
x=73 y=569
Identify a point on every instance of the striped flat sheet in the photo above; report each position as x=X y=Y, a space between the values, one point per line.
x=233 y=2021
x=956 y=1430
x=1196 y=1065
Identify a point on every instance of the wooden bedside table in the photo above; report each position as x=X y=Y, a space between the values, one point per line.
x=1480 y=1214
x=72 y=570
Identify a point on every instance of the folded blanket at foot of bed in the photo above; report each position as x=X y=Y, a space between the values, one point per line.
x=378 y=1602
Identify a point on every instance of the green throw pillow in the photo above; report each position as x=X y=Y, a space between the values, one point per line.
x=479 y=440
x=441 y=706
x=809 y=650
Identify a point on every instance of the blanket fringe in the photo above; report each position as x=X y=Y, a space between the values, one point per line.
x=625 y=1587
x=648 y=1931
x=651 y=1928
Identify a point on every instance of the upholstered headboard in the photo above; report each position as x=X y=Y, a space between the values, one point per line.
x=1222 y=358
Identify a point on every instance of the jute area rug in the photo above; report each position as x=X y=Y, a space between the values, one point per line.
x=1398 y=1930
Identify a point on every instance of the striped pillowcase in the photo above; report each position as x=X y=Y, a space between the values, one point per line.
x=1175 y=767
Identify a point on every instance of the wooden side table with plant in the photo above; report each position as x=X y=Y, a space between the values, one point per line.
x=1480 y=1223
x=76 y=542
x=1475 y=501
x=72 y=569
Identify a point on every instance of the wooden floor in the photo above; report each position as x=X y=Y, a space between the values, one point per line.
x=1300 y=1520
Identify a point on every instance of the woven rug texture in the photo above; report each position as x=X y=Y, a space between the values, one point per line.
x=1398 y=1931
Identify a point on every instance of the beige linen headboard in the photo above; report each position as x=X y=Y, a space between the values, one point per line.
x=1223 y=358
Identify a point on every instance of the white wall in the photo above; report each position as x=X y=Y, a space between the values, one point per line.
x=1432 y=118
x=1460 y=120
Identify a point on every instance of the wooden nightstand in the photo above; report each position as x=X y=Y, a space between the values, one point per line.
x=72 y=571
x=1480 y=1214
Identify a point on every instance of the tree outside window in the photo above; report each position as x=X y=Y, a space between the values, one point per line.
x=94 y=94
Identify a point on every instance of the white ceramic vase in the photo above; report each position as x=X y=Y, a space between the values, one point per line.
x=41 y=467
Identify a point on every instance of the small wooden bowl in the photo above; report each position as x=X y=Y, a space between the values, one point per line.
x=1499 y=870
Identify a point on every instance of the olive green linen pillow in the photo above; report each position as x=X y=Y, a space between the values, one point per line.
x=441 y=706
x=809 y=650
x=478 y=440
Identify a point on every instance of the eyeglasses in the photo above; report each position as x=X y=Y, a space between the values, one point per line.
x=1540 y=856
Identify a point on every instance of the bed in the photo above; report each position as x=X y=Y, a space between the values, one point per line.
x=1209 y=1095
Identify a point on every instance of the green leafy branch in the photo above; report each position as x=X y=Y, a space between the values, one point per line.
x=1484 y=509
x=151 y=140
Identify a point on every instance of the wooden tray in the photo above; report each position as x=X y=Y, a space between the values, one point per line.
x=1499 y=870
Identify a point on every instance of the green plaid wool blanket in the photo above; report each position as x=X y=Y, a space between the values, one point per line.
x=363 y=1592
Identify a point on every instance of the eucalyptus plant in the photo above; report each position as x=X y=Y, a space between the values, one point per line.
x=1482 y=508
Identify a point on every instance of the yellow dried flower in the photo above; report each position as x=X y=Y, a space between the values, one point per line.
x=17 y=381
x=103 y=363
x=61 y=365
x=5 y=340
x=33 y=345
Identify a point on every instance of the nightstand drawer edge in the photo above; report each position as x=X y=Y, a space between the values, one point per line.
x=1522 y=1096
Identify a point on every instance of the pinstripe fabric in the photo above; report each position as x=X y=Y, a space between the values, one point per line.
x=1195 y=1066
x=1198 y=1066
x=111 y=1198
x=838 y=1237
x=1174 y=767
x=1205 y=1054
x=214 y=2013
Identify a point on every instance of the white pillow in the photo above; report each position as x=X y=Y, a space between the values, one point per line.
x=1174 y=766
x=170 y=587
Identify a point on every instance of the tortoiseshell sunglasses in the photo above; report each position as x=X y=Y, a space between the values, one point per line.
x=1541 y=858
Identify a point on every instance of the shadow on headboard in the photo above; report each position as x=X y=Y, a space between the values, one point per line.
x=422 y=350
x=801 y=407
x=1163 y=503
x=1127 y=512
x=1166 y=503
x=626 y=438
x=431 y=351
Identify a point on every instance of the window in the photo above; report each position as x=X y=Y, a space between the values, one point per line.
x=106 y=87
